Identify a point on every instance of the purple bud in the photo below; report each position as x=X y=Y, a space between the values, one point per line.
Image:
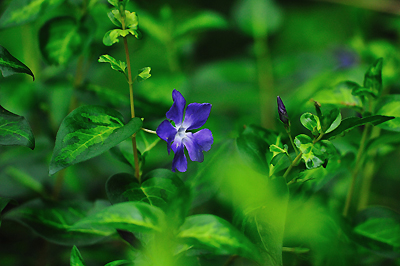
x=283 y=116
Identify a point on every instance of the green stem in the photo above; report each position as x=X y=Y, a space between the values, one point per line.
x=291 y=140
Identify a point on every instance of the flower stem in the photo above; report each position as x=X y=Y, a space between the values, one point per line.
x=149 y=130
x=291 y=140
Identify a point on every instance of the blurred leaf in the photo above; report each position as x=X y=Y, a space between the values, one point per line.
x=202 y=21
x=360 y=91
x=76 y=257
x=130 y=216
x=89 y=131
x=257 y=18
x=352 y=122
x=389 y=105
x=373 y=78
x=53 y=220
x=111 y=36
x=117 y=263
x=378 y=228
x=115 y=64
x=3 y=204
x=61 y=39
x=339 y=95
x=153 y=27
x=15 y=130
x=23 y=11
x=253 y=145
x=314 y=154
x=215 y=235
x=144 y=74
x=9 y=65
x=311 y=122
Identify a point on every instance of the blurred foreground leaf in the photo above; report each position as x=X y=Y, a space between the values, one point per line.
x=53 y=220
x=76 y=257
x=15 y=130
x=10 y=65
x=89 y=131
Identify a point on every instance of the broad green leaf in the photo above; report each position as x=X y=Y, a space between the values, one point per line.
x=53 y=220
x=389 y=105
x=143 y=74
x=331 y=120
x=217 y=236
x=89 y=131
x=76 y=257
x=111 y=36
x=339 y=95
x=257 y=18
x=378 y=228
x=312 y=154
x=130 y=216
x=61 y=39
x=115 y=64
x=311 y=122
x=10 y=65
x=23 y=11
x=204 y=20
x=253 y=145
x=117 y=263
x=373 y=78
x=352 y=122
x=15 y=130
x=112 y=16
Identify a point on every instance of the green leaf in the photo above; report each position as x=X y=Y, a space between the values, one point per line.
x=117 y=263
x=76 y=257
x=204 y=20
x=153 y=27
x=61 y=39
x=339 y=95
x=53 y=220
x=23 y=11
x=312 y=154
x=143 y=74
x=115 y=64
x=15 y=130
x=112 y=16
x=9 y=65
x=378 y=228
x=360 y=91
x=3 y=204
x=331 y=120
x=352 y=122
x=111 y=36
x=253 y=145
x=89 y=131
x=311 y=122
x=389 y=105
x=217 y=236
x=257 y=18
x=274 y=148
x=130 y=216
x=373 y=78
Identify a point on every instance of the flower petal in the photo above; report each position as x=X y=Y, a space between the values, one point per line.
x=175 y=113
x=166 y=132
x=197 y=143
x=196 y=115
x=179 y=162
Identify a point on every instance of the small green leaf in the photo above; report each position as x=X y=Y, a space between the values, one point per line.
x=311 y=122
x=111 y=36
x=253 y=145
x=15 y=130
x=389 y=105
x=9 y=65
x=115 y=64
x=53 y=220
x=378 y=229
x=331 y=120
x=89 y=131
x=373 y=78
x=23 y=11
x=131 y=19
x=213 y=234
x=312 y=154
x=277 y=149
x=76 y=257
x=112 y=16
x=352 y=122
x=130 y=216
x=60 y=40
x=144 y=74
x=204 y=20
x=117 y=263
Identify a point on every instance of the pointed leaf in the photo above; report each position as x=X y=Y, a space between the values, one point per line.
x=373 y=78
x=15 y=130
x=89 y=131
x=111 y=37
x=53 y=220
x=389 y=105
x=204 y=20
x=60 y=40
x=144 y=74
x=115 y=64
x=10 y=65
x=217 y=236
x=117 y=263
x=131 y=216
x=331 y=120
x=352 y=122
x=311 y=122
x=23 y=11
x=313 y=154
x=76 y=257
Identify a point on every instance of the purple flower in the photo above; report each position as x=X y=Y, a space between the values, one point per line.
x=283 y=116
x=178 y=137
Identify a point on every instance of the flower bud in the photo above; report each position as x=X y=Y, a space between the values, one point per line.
x=283 y=116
